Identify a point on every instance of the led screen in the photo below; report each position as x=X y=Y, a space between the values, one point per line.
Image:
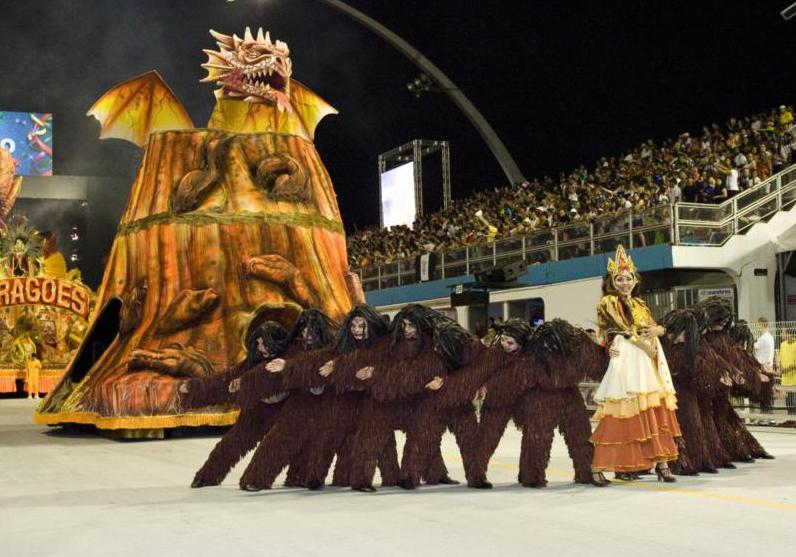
x=398 y=196
x=29 y=138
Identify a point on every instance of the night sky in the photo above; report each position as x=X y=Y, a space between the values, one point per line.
x=562 y=83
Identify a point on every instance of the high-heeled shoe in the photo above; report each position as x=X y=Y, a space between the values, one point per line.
x=598 y=479
x=626 y=476
x=664 y=474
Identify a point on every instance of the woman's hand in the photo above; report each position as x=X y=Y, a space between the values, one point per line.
x=435 y=384
x=234 y=385
x=326 y=369
x=613 y=351
x=365 y=373
x=651 y=331
x=275 y=365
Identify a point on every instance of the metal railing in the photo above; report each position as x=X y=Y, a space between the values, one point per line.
x=783 y=407
x=681 y=224
x=713 y=225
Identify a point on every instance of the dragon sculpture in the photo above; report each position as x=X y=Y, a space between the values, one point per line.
x=225 y=226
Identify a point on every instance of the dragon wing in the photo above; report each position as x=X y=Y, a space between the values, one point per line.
x=309 y=107
x=139 y=106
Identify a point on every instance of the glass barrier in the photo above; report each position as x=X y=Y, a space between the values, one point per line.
x=788 y=196
x=704 y=235
x=612 y=225
x=751 y=196
x=510 y=246
x=573 y=250
x=480 y=265
x=652 y=236
x=455 y=263
x=507 y=251
x=408 y=272
x=388 y=281
x=370 y=284
x=543 y=238
x=539 y=255
x=759 y=213
x=788 y=177
x=370 y=273
x=574 y=232
x=708 y=213
x=480 y=252
x=607 y=244
x=662 y=214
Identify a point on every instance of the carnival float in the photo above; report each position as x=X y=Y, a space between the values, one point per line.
x=43 y=307
x=225 y=226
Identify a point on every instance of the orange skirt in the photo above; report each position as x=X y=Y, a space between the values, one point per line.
x=636 y=443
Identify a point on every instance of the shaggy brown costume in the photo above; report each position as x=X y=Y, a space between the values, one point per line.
x=692 y=384
x=390 y=403
x=341 y=405
x=538 y=387
x=553 y=399
x=712 y=369
x=296 y=423
x=451 y=407
x=253 y=422
x=692 y=447
x=213 y=390
x=453 y=410
x=745 y=372
x=345 y=410
x=504 y=388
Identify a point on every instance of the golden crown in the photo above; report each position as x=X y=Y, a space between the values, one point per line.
x=622 y=262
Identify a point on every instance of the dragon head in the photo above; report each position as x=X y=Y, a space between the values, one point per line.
x=255 y=70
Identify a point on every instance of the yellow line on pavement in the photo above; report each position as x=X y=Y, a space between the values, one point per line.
x=680 y=490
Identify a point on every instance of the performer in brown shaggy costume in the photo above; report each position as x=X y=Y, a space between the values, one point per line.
x=538 y=387
x=693 y=382
x=268 y=341
x=464 y=366
x=341 y=408
x=394 y=374
x=741 y=374
x=296 y=423
x=501 y=392
x=757 y=385
x=565 y=357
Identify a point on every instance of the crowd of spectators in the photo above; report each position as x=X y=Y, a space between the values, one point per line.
x=708 y=167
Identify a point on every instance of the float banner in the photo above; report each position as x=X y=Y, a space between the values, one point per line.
x=45 y=291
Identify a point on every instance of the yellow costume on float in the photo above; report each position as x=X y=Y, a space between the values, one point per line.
x=636 y=398
x=32 y=377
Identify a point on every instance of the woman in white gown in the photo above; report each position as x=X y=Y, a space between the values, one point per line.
x=637 y=423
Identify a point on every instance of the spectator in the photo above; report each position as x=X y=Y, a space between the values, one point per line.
x=787 y=368
x=785 y=118
x=764 y=346
x=709 y=167
x=674 y=194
